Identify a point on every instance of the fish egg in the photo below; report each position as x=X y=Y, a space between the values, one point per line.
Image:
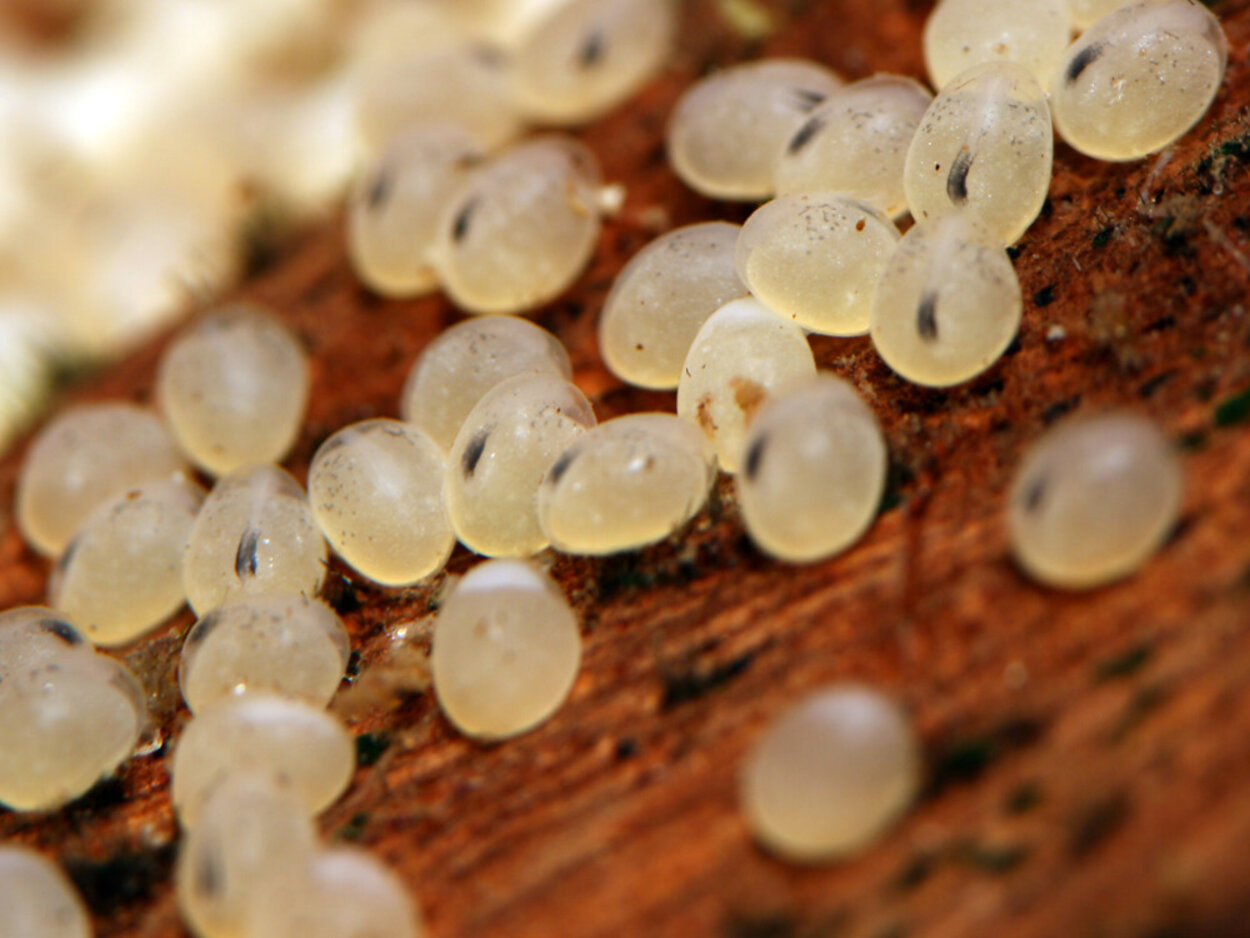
x=813 y=471
x=985 y=146
x=1139 y=78
x=661 y=298
x=341 y=892
x=740 y=356
x=254 y=534
x=459 y=82
x=508 y=442
x=376 y=490
x=831 y=774
x=948 y=303
x=815 y=258
x=587 y=56
x=289 y=740
x=121 y=575
x=37 y=899
x=467 y=360
x=727 y=131
x=249 y=827
x=33 y=635
x=394 y=209
x=626 y=483
x=65 y=724
x=1085 y=13
x=234 y=386
x=84 y=458
x=962 y=33
x=521 y=227
x=290 y=645
x=1093 y=499
x=856 y=143
x=505 y=650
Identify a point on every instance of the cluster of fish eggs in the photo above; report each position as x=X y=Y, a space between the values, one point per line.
x=498 y=449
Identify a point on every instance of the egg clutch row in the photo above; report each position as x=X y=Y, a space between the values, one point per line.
x=497 y=448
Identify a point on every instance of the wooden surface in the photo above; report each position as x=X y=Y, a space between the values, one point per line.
x=1087 y=757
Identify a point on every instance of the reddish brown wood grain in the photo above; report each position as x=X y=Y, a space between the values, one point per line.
x=1088 y=757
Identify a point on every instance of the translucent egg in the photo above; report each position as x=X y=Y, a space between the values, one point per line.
x=830 y=774
x=1085 y=13
x=727 y=131
x=376 y=490
x=626 y=483
x=37 y=900
x=33 y=635
x=279 y=737
x=506 y=649
x=467 y=360
x=662 y=297
x=289 y=645
x=986 y=146
x=121 y=575
x=962 y=33
x=508 y=442
x=254 y=534
x=342 y=892
x=234 y=386
x=464 y=83
x=87 y=456
x=1139 y=78
x=521 y=227
x=813 y=472
x=739 y=357
x=815 y=258
x=948 y=304
x=249 y=828
x=1093 y=499
x=856 y=143
x=587 y=56
x=64 y=724
x=394 y=209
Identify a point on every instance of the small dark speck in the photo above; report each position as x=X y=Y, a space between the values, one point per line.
x=805 y=134
x=807 y=98
x=62 y=630
x=1045 y=296
x=626 y=748
x=1103 y=238
x=755 y=457
x=1148 y=388
x=1060 y=409
x=379 y=189
x=591 y=53
x=561 y=466
x=926 y=317
x=1233 y=410
x=473 y=453
x=1162 y=324
x=1083 y=60
x=247 y=556
x=1035 y=494
x=460 y=229
x=1015 y=251
x=207 y=875
x=201 y=629
x=957 y=179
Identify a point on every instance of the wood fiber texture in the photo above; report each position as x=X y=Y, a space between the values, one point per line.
x=1088 y=772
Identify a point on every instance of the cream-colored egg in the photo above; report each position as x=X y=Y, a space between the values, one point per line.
x=37 y=899
x=505 y=447
x=661 y=298
x=831 y=774
x=376 y=490
x=740 y=356
x=1093 y=500
x=506 y=650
